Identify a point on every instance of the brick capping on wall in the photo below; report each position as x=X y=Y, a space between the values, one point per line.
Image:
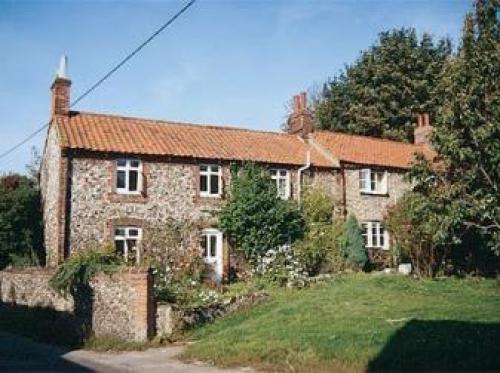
x=122 y=302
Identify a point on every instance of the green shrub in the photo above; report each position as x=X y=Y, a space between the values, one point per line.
x=255 y=218
x=353 y=244
x=320 y=249
x=419 y=231
x=78 y=270
x=20 y=222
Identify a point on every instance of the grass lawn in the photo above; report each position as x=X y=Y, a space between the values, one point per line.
x=362 y=322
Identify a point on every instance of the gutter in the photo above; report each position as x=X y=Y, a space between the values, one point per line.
x=299 y=175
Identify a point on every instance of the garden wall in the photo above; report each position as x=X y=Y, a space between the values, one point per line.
x=119 y=304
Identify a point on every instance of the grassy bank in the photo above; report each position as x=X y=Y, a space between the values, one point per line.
x=363 y=322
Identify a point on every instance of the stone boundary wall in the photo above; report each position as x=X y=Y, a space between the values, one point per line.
x=172 y=319
x=120 y=304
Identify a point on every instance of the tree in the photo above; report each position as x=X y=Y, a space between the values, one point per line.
x=254 y=217
x=353 y=244
x=379 y=94
x=33 y=166
x=467 y=131
x=20 y=221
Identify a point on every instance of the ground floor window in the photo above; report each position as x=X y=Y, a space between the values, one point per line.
x=375 y=235
x=127 y=243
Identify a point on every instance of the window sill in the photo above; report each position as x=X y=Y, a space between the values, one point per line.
x=377 y=248
x=379 y=194
x=210 y=196
x=209 y=200
x=129 y=198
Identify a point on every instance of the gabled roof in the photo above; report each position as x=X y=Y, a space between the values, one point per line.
x=369 y=150
x=110 y=133
x=118 y=134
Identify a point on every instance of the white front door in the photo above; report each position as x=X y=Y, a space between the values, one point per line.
x=211 y=250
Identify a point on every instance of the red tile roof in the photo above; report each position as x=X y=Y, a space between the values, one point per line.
x=369 y=150
x=110 y=133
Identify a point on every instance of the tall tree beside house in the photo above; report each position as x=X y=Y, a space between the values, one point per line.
x=254 y=217
x=467 y=131
x=380 y=93
x=20 y=221
x=353 y=244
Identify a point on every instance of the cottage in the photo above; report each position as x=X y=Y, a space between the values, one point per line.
x=108 y=177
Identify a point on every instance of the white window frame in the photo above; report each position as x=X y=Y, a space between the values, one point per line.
x=373 y=241
x=127 y=168
x=126 y=237
x=276 y=177
x=208 y=173
x=369 y=183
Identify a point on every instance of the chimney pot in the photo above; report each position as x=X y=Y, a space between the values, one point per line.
x=63 y=67
x=426 y=119
x=300 y=121
x=422 y=130
x=61 y=90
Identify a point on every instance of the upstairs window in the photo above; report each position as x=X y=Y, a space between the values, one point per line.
x=375 y=235
x=127 y=242
x=373 y=182
x=128 y=176
x=210 y=181
x=282 y=179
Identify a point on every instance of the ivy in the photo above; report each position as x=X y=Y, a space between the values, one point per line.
x=77 y=271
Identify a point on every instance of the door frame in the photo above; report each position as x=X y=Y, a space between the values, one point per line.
x=219 y=252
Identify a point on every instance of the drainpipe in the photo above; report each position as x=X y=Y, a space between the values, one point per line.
x=299 y=175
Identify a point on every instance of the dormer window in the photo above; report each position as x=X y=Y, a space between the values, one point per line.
x=210 y=181
x=372 y=181
x=128 y=176
x=282 y=179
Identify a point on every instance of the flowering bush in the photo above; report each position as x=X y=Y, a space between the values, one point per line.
x=180 y=274
x=282 y=267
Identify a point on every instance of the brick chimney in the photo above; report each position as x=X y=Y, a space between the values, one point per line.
x=61 y=90
x=301 y=120
x=423 y=130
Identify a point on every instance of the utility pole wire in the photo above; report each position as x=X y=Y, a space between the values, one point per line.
x=107 y=75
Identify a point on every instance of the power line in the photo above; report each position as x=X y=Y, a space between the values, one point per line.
x=107 y=75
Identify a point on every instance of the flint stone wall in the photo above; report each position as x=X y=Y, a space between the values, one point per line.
x=119 y=304
x=170 y=192
x=50 y=174
x=372 y=207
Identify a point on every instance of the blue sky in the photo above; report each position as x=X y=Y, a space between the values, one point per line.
x=222 y=62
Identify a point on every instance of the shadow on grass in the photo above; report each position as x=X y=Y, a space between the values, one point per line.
x=441 y=346
x=62 y=329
